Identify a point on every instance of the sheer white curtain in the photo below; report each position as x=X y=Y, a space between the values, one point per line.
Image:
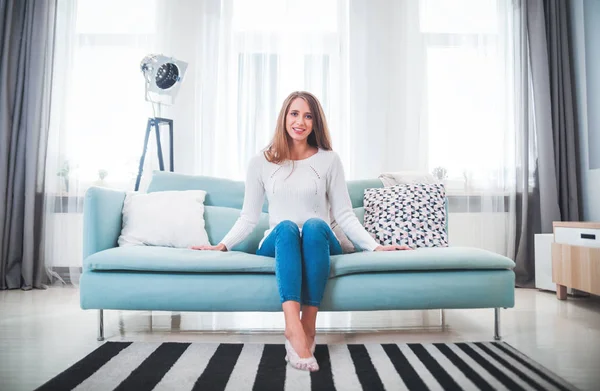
x=250 y=55
x=98 y=115
x=433 y=88
x=409 y=85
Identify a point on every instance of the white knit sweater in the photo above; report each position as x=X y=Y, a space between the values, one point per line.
x=315 y=186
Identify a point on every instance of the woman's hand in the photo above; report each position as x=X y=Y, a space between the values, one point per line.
x=218 y=247
x=392 y=247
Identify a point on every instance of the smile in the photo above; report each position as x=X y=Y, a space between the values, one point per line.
x=298 y=130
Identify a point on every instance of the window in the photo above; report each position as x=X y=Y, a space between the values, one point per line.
x=279 y=16
x=467 y=91
x=257 y=82
x=281 y=47
x=317 y=75
x=105 y=111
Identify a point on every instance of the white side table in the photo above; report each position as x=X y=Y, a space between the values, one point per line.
x=543 y=262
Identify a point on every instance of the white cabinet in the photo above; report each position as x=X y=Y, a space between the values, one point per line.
x=543 y=262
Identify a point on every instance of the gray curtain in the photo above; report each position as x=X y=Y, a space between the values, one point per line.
x=548 y=188
x=26 y=57
x=562 y=100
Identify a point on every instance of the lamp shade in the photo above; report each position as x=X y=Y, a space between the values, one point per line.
x=163 y=76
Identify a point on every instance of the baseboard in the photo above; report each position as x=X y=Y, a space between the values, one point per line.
x=64 y=275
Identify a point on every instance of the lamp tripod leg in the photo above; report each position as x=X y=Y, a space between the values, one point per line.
x=143 y=158
x=171 y=145
x=161 y=163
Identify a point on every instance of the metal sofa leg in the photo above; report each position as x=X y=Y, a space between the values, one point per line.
x=100 y=325
x=497 y=324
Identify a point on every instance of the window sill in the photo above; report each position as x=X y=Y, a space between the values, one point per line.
x=457 y=203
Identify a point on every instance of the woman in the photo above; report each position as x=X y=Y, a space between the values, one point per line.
x=303 y=180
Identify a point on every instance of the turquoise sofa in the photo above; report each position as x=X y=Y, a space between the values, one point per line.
x=171 y=279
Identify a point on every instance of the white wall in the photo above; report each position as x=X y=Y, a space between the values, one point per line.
x=67 y=227
x=467 y=230
x=585 y=31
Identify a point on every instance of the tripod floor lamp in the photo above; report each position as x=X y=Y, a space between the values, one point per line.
x=163 y=76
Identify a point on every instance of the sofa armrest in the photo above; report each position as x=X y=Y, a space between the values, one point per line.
x=102 y=219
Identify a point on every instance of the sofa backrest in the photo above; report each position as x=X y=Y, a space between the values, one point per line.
x=219 y=191
x=230 y=193
x=225 y=197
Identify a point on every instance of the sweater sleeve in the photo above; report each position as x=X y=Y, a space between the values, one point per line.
x=254 y=196
x=341 y=207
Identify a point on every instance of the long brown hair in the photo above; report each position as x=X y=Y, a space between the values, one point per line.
x=279 y=148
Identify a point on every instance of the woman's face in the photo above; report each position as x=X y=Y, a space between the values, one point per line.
x=299 y=120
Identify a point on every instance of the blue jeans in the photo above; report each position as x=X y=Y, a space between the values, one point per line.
x=301 y=261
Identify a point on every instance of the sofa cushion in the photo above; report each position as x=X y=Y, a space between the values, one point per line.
x=430 y=258
x=407 y=214
x=219 y=220
x=169 y=260
x=347 y=245
x=356 y=190
x=219 y=191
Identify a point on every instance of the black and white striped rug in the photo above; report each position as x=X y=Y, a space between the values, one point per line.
x=184 y=366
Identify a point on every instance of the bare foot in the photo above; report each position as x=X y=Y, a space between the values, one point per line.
x=299 y=341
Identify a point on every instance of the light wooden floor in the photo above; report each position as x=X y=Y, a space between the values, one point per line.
x=44 y=332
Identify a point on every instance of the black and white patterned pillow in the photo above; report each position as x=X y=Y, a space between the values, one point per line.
x=410 y=214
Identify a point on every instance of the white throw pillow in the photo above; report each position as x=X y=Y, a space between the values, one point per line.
x=164 y=218
x=406 y=177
